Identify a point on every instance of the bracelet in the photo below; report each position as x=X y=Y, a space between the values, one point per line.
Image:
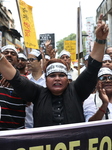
x=2 y=56
x=101 y=41
x=102 y=110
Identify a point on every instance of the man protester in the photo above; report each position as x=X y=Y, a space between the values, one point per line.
x=37 y=76
x=108 y=51
x=12 y=107
x=85 y=58
x=21 y=66
x=66 y=56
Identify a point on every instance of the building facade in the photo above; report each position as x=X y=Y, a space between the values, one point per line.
x=8 y=33
x=105 y=8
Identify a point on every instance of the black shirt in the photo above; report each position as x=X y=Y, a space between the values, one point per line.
x=46 y=107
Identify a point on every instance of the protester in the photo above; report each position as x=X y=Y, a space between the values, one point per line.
x=107 y=62
x=21 y=66
x=85 y=58
x=69 y=77
x=108 y=51
x=50 y=51
x=12 y=107
x=98 y=105
x=60 y=102
x=47 y=57
x=37 y=76
x=76 y=65
x=66 y=56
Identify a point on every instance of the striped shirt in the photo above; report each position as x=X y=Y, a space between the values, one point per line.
x=12 y=110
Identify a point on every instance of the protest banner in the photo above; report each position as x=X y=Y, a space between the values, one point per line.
x=27 y=24
x=80 y=136
x=46 y=37
x=71 y=47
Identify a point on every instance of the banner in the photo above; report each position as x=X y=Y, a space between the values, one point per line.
x=27 y=23
x=71 y=47
x=45 y=37
x=81 y=136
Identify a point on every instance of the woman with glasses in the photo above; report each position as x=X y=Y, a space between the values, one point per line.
x=98 y=105
x=60 y=102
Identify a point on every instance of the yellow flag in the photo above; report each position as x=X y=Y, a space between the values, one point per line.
x=27 y=23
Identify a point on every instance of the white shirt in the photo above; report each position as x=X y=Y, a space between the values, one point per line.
x=40 y=81
x=29 y=110
x=92 y=104
x=74 y=73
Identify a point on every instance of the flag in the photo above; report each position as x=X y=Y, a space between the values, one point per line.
x=27 y=23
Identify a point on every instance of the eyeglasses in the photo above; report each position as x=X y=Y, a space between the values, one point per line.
x=31 y=59
x=105 y=78
x=107 y=61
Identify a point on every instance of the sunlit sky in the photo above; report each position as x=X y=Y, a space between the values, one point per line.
x=56 y=16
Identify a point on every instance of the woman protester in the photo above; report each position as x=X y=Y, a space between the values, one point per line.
x=60 y=102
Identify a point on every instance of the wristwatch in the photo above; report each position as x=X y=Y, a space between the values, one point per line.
x=101 y=41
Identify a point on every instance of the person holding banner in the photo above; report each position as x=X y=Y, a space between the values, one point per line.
x=60 y=102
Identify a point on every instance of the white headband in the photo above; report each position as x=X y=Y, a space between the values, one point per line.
x=103 y=71
x=106 y=57
x=35 y=52
x=56 y=67
x=9 y=47
x=64 y=52
x=47 y=57
x=21 y=55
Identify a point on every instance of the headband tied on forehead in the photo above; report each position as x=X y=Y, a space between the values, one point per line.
x=9 y=47
x=106 y=57
x=35 y=52
x=104 y=71
x=64 y=52
x=56 y=67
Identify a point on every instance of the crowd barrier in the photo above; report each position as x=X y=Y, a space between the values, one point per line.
x=95 y=135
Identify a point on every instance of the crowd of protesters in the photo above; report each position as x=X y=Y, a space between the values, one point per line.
x=41 y=90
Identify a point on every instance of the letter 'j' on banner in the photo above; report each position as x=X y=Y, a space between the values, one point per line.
x=27 y=23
